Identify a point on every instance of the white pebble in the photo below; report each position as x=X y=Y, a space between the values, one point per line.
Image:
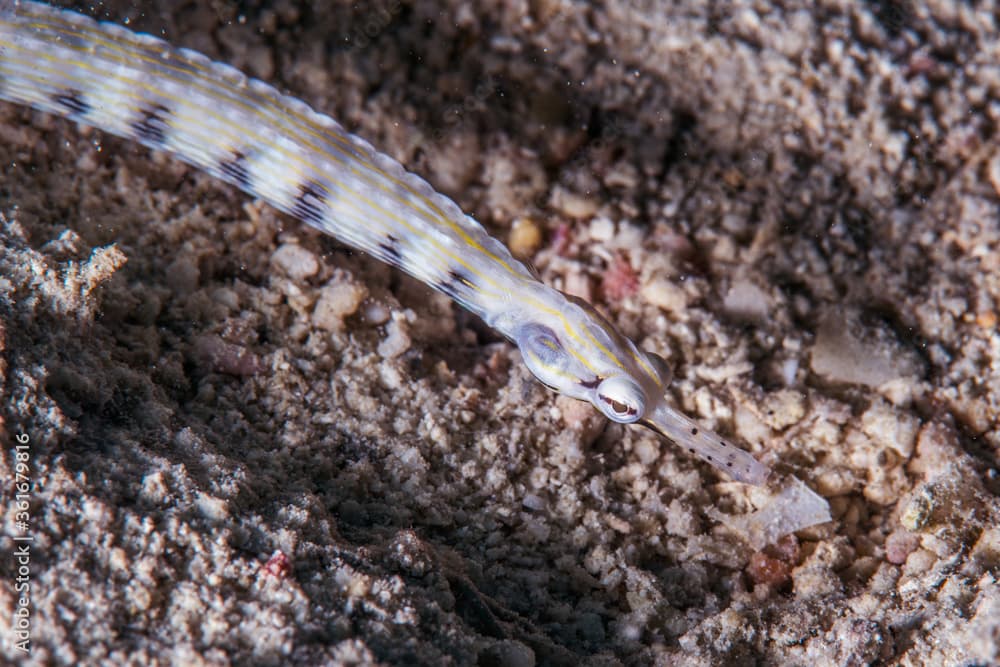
x=375 y=313
x=602 y=230
x=298 y=263
x=337 y=301
x=746 y=301
x=665 y=294
x=397 y=340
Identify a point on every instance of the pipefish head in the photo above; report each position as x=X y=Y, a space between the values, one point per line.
x=575 y=351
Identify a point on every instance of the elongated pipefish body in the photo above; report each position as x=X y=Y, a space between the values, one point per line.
x=276 y=148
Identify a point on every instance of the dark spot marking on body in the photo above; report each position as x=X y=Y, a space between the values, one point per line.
x=451 y=286
x=694 y=431
x=72 y=102
x=152 y=127
x=235 y=170
x=390 y=249
x=458 y=278
x=310 y=203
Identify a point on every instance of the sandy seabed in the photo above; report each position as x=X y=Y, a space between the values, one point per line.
x=251 y=445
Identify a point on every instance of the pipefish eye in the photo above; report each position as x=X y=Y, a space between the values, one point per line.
x=621 y=399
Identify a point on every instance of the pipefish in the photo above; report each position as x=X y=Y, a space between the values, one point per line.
x=276 y=148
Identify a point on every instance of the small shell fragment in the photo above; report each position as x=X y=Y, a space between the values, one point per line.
x=794 y=508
